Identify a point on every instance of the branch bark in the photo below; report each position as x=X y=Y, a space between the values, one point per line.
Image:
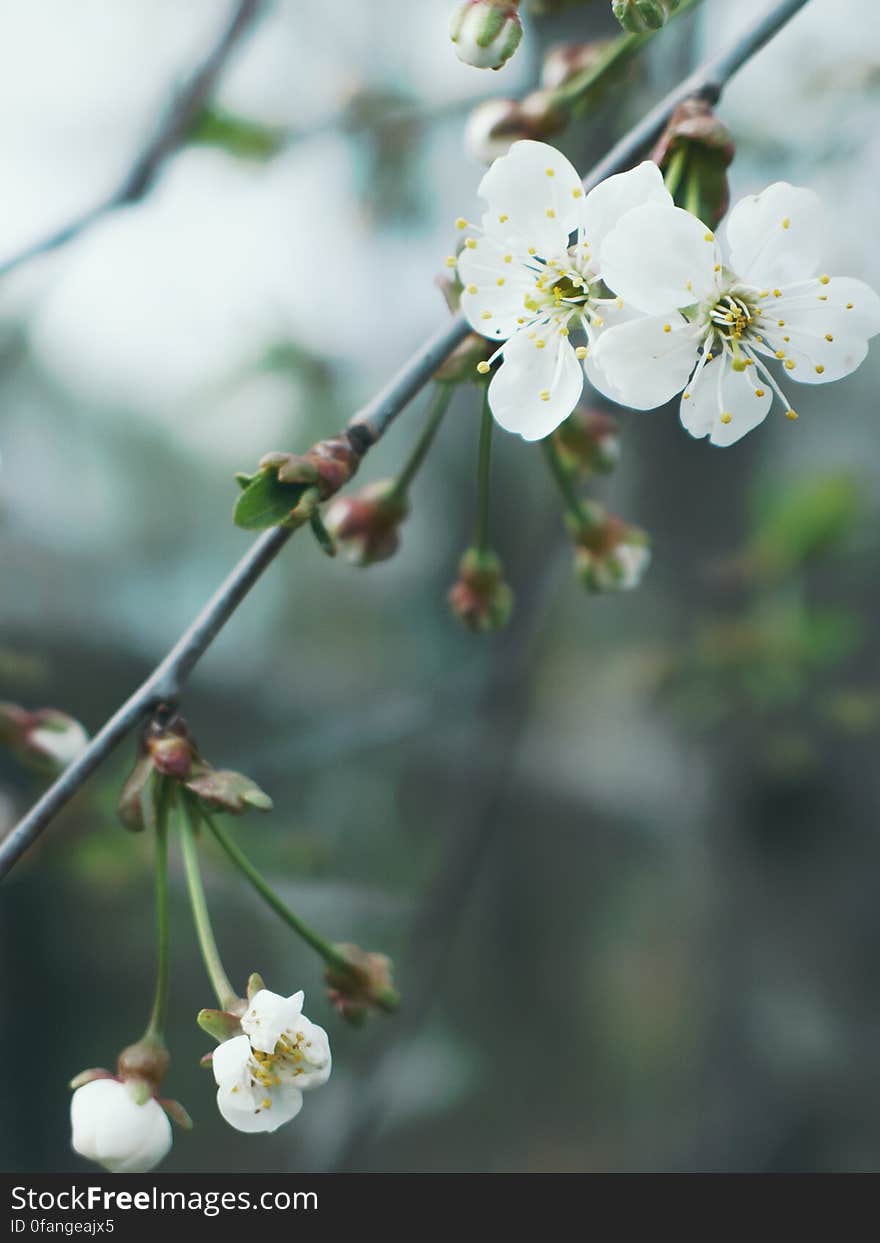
x=365 y=429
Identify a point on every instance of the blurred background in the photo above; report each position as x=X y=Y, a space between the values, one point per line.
x=625 y=856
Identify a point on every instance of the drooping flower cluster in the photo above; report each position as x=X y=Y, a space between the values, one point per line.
x=660 y=308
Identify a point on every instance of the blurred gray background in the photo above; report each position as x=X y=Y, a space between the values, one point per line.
x=626 y=855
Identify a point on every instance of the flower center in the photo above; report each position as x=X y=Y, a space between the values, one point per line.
x=732 y=317
x=282 y=1065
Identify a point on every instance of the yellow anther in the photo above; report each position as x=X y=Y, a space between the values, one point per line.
x=765 y=293
x=780 y=354
x=789 y=364
x=500 y=281
x=686 y=396
x=726 y=418
x=850 y=305
x=689 y=286
x=709 y=356
x=563 y=331
x=786 y=224
x=598 y=321
x=471 y=289
x=265 y=1103
x=551 y=172
x=577 y=193
x=471 y=243
x=551 y=214
x=829 y=336
x=503 y=219
x=759 y=392
x=532 y=250
x=581 y=352
x=819 y=368
x=618 y=303
x=791 y=414
x=486 y=315
x=823 y=297
x=717 y=267
x=708 y=236
x=824 y=280
x=544 y=394
x=451 y=261
x=667 y=327
x=540 y=343
x=483 y=367
x=780 y=323
x=461 y=223
x=508 y=258
x=777 y=293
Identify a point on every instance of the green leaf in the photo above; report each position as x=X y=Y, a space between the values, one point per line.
x=265 y=502
x=237 y=135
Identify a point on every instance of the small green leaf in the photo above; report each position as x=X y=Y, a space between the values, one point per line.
x=266 y=503
x=237 y=135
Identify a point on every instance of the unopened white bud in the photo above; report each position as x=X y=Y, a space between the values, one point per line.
x=111 y=1128
x=486 y=33
x=639 y=16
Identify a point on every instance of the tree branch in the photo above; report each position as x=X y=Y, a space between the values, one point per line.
x=364 y=430
x=167 y=139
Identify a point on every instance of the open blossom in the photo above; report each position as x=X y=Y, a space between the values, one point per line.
x=262 y=1074
x=111 y=1127
x=712 y=323
x=532 y=278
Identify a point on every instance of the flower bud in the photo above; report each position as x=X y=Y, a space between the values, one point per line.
x=588 y=442
x=479 y=597
x=638 y=16
x=367 y=525
x=709 y=149
x=486 y=33
x=46 y=740
x=118 y=1120
x=610 y=555
x=111 y=1127
x=167 y=750
x=566 y=61
x=495 y=125
x=362 y=984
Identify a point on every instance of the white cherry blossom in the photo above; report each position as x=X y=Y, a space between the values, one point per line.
x=532 y=278
x=109 y=1126
x=716 y=326
x=262 y=1074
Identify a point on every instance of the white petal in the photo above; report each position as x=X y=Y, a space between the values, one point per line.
x=659 y=258
x=248 y=1110
x=776 y=236
x=608 y=202
x=111 y=1128
x=314 y=1044
x=721 y=392
x=823 y=327
x=537 y=192
x=515 y=392
x=268 y=1016
x=230 y=1061
x=501 y=282
x=644 y=366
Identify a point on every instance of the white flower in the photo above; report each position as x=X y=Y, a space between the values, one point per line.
x=713 y=323
x=110 y=1127
x=532 y=278
x=262 y=1075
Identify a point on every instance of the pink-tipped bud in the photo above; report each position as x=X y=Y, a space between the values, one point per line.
x=367 y=524
x=46 y=740
x=588 y=442
x=610 y=555
x=479 y=597
x=360 y=984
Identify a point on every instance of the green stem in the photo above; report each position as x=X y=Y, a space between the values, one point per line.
x=675 y=168
x=156 y=1026
x=327 y=951
x=226 y=995
x=575 y=91
x=564 y=481
x=692 y=201
x=484 y=471
x=439 y=406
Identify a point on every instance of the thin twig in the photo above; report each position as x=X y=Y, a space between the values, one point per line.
x=364 y=430
x=167 y=139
